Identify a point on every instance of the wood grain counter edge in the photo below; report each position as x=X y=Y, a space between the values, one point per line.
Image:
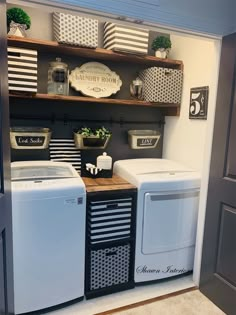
x=106 y=184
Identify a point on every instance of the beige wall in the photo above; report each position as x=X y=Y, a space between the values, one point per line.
x=189 y=141
x=185 y=139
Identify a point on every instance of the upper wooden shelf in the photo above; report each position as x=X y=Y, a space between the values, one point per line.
x=98 y=53
x=167 y=108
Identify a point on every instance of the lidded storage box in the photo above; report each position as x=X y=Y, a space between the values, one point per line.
x=22 y=69
x=125 y=38
x=162 y=84
x=75 y=30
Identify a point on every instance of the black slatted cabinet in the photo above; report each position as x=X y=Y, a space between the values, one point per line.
x=110 y=242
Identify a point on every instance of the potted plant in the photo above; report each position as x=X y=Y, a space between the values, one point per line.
x=161 y=45
x=87 y=138
x=18 y=21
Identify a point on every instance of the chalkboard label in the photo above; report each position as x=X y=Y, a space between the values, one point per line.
x=146 y=142
x=198 y=102
x=30 y=141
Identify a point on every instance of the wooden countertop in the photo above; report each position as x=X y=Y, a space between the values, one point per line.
x=106 y=184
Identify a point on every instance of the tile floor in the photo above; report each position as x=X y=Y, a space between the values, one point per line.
x=116 y=300
x=191 y=303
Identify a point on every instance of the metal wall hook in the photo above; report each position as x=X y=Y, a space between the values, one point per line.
x=65 y=119
x=53 y=118
x=161 y=123
x=121 y=122
x=111 y=121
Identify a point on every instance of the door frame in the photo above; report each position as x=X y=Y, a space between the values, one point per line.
x=5 y=190
x=208 y=145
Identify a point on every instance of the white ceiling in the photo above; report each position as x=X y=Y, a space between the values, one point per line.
x=213 y=17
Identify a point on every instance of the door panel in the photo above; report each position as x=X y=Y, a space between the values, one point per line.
x=231 y=162
x=6 y=256
x=226 y=260
x=2 y=276
x=218 y=272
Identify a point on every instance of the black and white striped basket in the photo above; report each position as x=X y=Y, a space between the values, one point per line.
x=109 y=220
x=64 y=150
x=22 y=70
x=128 y=39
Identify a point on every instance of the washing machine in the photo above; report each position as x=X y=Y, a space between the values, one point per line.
x=167 y=210
x=48 y=214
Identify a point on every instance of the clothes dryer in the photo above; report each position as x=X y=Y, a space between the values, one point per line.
x=48 y=214
x=167 y=210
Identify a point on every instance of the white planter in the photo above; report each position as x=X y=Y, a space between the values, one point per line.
x=90 y=142
x=161 y=53
x=17 y=29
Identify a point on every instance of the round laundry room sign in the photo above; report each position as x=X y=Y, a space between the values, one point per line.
x=95 y=79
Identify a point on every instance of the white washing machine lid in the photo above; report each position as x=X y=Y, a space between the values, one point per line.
x=33 y=170
x=157 y=174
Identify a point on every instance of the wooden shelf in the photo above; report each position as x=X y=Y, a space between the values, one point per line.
x=98 y=53
x=167 y=109
x=101 y=54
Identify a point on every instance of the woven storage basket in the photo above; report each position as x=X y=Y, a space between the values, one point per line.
x=162 y=84
x=75 y=30
x=109 y=266
x=127 y=39
x=22 y=70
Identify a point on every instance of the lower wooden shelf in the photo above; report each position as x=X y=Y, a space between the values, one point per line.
x=168 y=109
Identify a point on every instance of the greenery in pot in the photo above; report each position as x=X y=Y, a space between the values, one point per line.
x=18 y=15
x=100 y=132
x=161 y=42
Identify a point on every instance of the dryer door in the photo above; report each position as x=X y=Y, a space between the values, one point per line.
x=169 y=221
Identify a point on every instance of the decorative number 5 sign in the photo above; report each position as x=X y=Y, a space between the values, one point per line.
x=198 y=102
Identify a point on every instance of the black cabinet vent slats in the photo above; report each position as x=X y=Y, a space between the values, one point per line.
x=110 y=242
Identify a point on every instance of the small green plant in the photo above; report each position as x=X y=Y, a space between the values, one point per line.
x=161 y=42
x=101 y=132
x=18 y=15
x=84 y=131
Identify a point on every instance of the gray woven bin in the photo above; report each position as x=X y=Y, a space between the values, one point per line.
x=109 y=266
x=162 y=84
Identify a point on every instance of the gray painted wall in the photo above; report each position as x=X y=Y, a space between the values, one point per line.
x=207 y=16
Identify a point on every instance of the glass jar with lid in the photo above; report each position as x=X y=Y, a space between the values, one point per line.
x=58 y=77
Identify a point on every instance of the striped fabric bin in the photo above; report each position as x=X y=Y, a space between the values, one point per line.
x=22 y=70
x=64 y=150
x=127 y=39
